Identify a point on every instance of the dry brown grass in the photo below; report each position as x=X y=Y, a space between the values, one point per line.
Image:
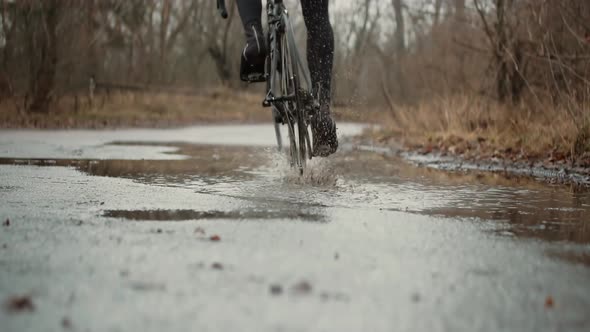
x=153 y=109
x=149 y=109
x=463 y=123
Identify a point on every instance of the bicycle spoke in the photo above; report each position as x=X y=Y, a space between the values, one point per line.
x=288 y=72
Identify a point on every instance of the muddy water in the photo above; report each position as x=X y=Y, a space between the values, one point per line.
x=520 y=206
x=363 y=241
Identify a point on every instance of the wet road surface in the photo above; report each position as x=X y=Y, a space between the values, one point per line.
x=207 y=229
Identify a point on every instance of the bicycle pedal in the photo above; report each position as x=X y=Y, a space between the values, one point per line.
x=255 y=78
x=252 y=73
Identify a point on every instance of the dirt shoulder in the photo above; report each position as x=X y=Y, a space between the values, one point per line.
x=456 y=153
x=470 y=132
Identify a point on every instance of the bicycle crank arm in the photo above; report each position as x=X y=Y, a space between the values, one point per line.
x=270 y=100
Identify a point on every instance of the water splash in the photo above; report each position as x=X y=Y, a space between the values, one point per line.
x=319 y=172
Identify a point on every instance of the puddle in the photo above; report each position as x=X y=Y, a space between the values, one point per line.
x=199 y=160
x=578 y=258
x=95 y=144
x=522 y=208
x=185 y=215
x=280 y=240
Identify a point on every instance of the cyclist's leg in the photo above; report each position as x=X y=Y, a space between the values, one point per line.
x=320 y=58
x=254 y=52
x=320 y=45
x=250 y=11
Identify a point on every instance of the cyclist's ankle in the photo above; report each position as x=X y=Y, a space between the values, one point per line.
x=255 y=44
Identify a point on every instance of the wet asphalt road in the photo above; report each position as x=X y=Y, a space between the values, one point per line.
x=207 y=229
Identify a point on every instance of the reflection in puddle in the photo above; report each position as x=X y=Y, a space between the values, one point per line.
x=550 y=213
x=524 y=207
x=184 y=215
x=548 y=225
x=571 y=256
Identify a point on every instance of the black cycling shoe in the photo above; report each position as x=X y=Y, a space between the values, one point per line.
x=253 y=55
x=325 y=140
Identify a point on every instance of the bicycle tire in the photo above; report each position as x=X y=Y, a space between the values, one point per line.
x=303 y=145
x=288 y=86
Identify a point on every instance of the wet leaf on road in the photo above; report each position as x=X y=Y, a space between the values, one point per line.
x=334 y=296
x=302 y=288
x=416 y=297
x=6 y=223
x=276 y=289
x=147 y=286
x=20 y=304
x=66 y=323
x=217 y=266
x=215 y=238
x=549 y=303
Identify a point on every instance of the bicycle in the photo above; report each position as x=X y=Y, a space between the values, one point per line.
x=291 y=104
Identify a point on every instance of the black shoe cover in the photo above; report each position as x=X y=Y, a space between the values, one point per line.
x=254 y=55
x=325 y=140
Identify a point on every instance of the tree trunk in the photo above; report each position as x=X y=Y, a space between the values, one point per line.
x=43 y=79
x=437 y=9
x=400 y=45
x=219 y=51
x=400 y=28
x=459 y=10
x=164 y=24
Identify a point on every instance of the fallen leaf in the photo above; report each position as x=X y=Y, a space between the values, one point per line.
x=549 y=302
x=6 y=223
x=416 y=297
x=276 y=289
x=217 y=266
x=427 y=149
x=334 y=296
x=20 y=303
x=215 y=238
x=66 y=323
x=302 y=288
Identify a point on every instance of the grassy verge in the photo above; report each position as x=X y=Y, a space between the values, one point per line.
x=137 y=109
x=473 y=128
x=149 y=109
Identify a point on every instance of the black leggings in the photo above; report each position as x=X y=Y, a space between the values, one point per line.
x=320 y=40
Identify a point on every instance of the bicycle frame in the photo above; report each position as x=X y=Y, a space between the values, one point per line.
x=290 y=106
x=278 y=24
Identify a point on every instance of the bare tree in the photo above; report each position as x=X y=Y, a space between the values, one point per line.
x=400 y=27
x=42 y=40
x=219 y=48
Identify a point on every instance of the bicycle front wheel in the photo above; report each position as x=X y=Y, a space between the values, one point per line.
x=299 y=138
